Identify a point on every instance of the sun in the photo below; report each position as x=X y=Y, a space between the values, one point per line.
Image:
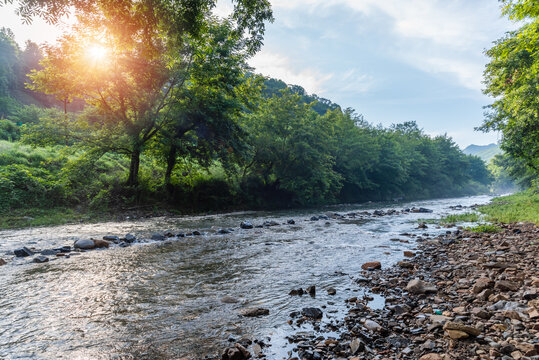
x=97 y=53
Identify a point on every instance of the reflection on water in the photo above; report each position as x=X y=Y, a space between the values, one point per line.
x=163 y=299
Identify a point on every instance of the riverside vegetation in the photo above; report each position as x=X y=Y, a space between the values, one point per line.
x=215 y=137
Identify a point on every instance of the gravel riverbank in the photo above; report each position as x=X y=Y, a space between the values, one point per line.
x=461 y=295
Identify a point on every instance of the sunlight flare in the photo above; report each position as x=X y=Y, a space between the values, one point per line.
x=97 y=53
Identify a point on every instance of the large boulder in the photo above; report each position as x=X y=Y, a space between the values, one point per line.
x=84 y=244
x=246 y=225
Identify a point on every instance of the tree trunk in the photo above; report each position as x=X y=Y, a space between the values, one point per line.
x=171 y=162
x=134 y=167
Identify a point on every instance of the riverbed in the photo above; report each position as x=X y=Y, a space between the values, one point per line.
x=163 y=299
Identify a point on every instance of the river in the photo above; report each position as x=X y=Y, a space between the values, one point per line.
x=162 y=299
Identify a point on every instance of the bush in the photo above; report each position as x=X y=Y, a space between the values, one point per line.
x=22 y=187
x=9 y=130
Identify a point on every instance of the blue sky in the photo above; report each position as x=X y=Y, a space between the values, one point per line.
x=391 y=60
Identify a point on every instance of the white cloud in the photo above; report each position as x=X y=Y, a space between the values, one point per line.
x=435 y=36
x=281 y=67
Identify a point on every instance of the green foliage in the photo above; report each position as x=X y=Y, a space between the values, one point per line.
x=291 y=150
x=511 y=78
x=485 y=228
x=523 y=206
x=459 y=218
x=510 y=173
x=9 y=130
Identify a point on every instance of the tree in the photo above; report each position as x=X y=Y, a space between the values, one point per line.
x=291 y=150
x=133 y=87
x=512 y=78
x=205 y=121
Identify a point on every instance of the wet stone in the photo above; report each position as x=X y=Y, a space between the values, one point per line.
x=40 y=259
x=112 y=238
x=157 y=236
x=254 y=312
x=23 y=252
x=312 y=312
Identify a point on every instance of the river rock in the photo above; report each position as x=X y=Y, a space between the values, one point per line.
x=409 y=254
x=129 y=238
x=49 y=252
x=451 y=325
x=332 y=291
x=312 y=312
x=418 y=286
x=431 y=356
x=157 y=236
x=237 y=352
x=372 y=265
x=290 y=222
x=168 y=233
x=63 y=249
x=112 y=238
x=197 y=233
x=101 y=243
x=482 y=284
x=254 y=311
x=229 y=300
x=23 y=252
x=457 y=334
x=372 y=325
x=356 y=345
x=405 y=265
x=223 y=231
x=2 y=262
x=311 y=290
x=505 y=285
x=84 y=244
x=294 y=292
x=40 y=259
x=246 y=225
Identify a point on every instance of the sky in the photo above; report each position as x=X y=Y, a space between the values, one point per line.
x=391 y=60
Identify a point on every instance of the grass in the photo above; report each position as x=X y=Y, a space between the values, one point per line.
x=484 y=228
x=520 y=207
x=40 y=217
x=458 y=218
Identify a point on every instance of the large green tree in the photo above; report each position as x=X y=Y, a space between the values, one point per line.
x=147 y=45
x=512 y=78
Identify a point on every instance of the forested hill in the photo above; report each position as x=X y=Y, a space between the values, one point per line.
x=485 y=152
x=273 y=87
x=224 y=138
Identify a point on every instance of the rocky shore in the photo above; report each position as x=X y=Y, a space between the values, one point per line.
x=461 y=295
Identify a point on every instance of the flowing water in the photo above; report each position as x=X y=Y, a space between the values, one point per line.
x=162 y=299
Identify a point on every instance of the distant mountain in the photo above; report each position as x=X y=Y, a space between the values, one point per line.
x=485 y=152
